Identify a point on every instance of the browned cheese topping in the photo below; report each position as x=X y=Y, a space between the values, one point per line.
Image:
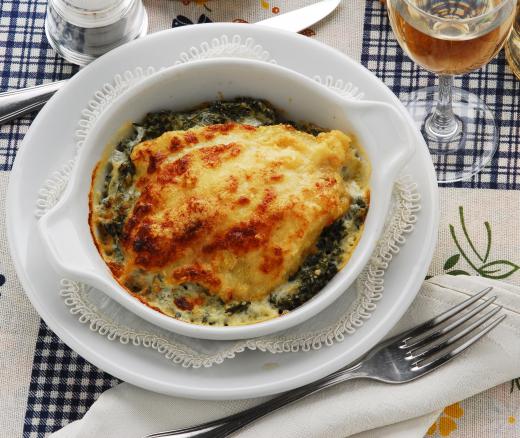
x=233 y=208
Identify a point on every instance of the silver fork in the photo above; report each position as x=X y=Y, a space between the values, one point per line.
x=400 y=359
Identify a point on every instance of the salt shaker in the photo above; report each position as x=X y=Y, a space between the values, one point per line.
x=82 y=30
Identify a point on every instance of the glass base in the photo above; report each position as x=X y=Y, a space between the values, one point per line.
x=460 y=154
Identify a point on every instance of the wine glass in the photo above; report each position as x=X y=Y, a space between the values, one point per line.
x=513 y=45
x=450 y=37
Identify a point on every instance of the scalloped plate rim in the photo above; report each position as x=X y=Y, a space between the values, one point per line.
x=207 y=383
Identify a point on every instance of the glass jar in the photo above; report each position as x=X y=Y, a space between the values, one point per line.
x=82 y=30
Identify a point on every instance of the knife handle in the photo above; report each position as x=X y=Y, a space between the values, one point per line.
x=16 y=103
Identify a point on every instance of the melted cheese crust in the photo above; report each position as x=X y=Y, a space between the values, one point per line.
x=233 y=208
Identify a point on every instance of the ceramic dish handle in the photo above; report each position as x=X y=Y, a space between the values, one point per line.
x=69 y=256
x=395 y=138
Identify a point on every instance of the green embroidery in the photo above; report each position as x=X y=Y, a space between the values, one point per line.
x=497 y=269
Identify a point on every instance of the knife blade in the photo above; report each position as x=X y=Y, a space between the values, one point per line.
x=16 y=103
x=302 y=18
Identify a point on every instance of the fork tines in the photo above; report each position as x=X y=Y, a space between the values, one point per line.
x=441 y=338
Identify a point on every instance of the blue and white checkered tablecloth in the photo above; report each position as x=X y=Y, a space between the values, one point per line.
x=496 y=85
x=62 y=385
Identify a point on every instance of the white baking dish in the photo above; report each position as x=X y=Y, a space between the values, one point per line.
x=380 y=129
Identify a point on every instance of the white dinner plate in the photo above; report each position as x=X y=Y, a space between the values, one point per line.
x=50 y=143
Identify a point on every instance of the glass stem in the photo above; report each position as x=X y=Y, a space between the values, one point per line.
x=442 y=123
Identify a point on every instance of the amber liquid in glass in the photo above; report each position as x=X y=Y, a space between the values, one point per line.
x=451 y=46
x=513 y=45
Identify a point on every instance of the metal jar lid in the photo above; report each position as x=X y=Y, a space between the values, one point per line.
x=82 y=30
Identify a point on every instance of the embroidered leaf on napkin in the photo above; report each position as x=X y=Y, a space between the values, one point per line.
x=498 y=269
x=458 y=272
x=476 y=260
x=451 y=262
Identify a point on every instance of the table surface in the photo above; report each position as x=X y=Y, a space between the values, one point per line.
x=47 y=385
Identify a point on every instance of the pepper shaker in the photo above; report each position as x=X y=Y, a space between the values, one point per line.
x=82 y=30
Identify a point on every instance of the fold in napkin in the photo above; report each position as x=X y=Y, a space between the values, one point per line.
x=376 y=409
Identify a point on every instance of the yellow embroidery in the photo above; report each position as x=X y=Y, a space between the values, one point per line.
x=446 y=423
x=264 y=4
x=197 y=2
x=454 y=410
x=511 y=420
x=446 y=426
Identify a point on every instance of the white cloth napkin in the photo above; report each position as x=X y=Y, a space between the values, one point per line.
x=376 y=409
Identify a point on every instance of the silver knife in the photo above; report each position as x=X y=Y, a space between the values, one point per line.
x=302 y=18
x=16 y=103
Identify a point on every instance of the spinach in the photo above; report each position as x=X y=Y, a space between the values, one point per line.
x=317 y=269
x=358 y=212
x=309 y=128
x=239 y=110
x=236 y=308
x=111 y=229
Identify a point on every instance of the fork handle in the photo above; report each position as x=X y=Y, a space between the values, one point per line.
x=16 y=103
x=223 y=427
